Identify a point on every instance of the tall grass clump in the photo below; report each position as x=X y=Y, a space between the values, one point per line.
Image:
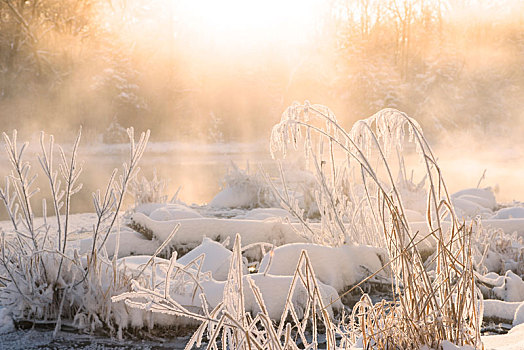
x=46 y=280
x=228 y=325
x=361 y=200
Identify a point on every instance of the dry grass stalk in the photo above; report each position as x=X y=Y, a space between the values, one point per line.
x=356 y=168
x=230 y=326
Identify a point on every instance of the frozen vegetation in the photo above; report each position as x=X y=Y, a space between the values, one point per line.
x=361 y=246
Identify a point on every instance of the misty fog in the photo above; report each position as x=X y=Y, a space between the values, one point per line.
x=198 y=72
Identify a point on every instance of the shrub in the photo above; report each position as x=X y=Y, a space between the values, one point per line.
x=46 y=281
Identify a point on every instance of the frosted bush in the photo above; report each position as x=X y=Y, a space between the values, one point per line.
x=242 y=189
x=148 y=191
x=494 y=250
x=46 y=280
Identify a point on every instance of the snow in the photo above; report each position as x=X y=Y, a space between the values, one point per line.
x=500 y=310
x=467 y=208
x=131 y=243
x=509 y=213
x=446 y=345
x=174 y=212
x=337 y=267
x=518 y=318
x=512 y=288
x=234 y=197
x=514 y=340
x=192 y=231
x=217 y=258
x=274 y=290
x=481 y=196
x=266 y=213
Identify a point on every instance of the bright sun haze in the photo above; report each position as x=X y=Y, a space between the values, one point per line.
x=237 y=22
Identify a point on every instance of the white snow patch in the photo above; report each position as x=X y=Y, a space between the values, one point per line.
x=509 y=213
x=484 y=197
x=266 y=213
x=174 y=212
x=274 y=290
x=192 y=231
x=512 y=289
x=217 y=258
x=500 y=309
x=518 y=318
x=235 y=197
x=514 y=340
x=337 y=267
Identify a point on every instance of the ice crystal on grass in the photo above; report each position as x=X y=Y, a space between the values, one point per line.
x=45 y=280
x=360 y=201
x=231 y=325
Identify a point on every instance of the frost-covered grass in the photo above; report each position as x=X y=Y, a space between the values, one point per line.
x=434 y=302
x=45 y=280
x=356 y=222
x=354 y=171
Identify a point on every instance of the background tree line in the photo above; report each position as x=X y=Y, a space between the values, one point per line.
x=454 y=65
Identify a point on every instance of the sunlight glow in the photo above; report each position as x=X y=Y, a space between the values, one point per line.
x=249 y=22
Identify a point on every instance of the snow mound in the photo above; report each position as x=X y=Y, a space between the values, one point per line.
x=481 y=196
x=266 y=213
x=274 y=290
x=471 y=202
x=337 y=267
x=512 y=288
x=447 y=345
x=174 y=212
x=234 y=197
x=509 y=213
x=148 y=208
x=132 y=265
x=518 y=318
x=466 y=208
x=217 y=258
x=510 y=341
x=500 y=310
x=242 y=190
x=130 y=243
x=192 y=231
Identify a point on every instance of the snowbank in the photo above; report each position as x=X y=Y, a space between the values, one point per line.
x=217 y=258
x=514 y=340
x=274 y=290
x=509 y=213
x=337 y=267
x=192 y=231
x=500 y=310
x=512 y=288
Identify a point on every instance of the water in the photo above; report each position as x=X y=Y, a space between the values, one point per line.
x=197 y=169
x=43 y=339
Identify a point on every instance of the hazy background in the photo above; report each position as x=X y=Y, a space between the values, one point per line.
x=227 y=69
x=222 y=71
